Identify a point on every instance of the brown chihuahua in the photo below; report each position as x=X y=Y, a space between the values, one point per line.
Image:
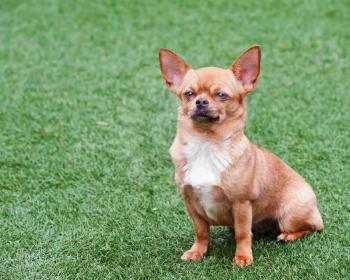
x=223 y=177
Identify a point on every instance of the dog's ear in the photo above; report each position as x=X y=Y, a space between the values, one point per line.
x=247 y=68
x=173 y=68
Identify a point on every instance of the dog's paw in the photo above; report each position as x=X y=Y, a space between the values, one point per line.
x=192 y=255
x=243 y=260
x=284 y=237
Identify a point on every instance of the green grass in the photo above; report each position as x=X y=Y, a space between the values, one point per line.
x=86 y=182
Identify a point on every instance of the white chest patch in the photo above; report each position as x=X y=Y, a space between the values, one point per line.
x=205 y=164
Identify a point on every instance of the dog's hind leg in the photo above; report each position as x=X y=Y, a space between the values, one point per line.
x=299 y=216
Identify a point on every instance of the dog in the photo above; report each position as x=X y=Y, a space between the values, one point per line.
x=224 y=178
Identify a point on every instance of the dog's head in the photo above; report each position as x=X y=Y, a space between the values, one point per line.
x=211 y=95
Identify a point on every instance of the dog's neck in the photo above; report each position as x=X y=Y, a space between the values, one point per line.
x=220 y=146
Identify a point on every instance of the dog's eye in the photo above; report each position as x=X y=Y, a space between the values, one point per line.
x=189 y=93
x=222 y=95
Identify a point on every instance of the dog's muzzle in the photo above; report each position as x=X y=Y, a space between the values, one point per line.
x=204 y=116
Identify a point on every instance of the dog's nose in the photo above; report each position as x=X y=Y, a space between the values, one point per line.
x=202 y=102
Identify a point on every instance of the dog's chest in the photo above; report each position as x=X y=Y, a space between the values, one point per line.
x=205 y=164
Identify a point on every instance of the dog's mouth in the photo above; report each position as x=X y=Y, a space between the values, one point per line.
x=204 y=116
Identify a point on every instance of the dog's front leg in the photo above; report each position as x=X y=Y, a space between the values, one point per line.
x=201 y=228
x=242 y=214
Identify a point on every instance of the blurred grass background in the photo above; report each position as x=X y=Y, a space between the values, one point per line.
x=86 y=182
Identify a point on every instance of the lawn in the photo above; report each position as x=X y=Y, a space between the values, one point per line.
x=86 y=181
